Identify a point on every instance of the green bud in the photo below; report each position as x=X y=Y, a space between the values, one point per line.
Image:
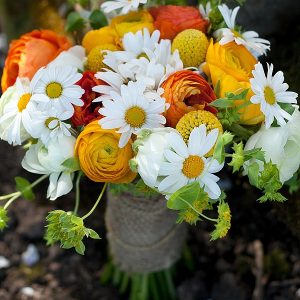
x=3 y=218
x=237 y=157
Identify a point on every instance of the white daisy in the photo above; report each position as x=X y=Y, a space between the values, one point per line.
x=125 y=5
x=151 y=69
x=131 y=111
x=15 y=121
x=55 y=87
x=49 y=126
x=270 y=90
x=250 y=39
x=186 y=163
x=205 y=11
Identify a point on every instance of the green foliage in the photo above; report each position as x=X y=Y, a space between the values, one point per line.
x=68 y=229
x=224 y=221
x=74 y=22
x=3 y=218
x=72 y=164
x=266 y=180
x=229 y=114
x=98 y=19
x=25 y=187
x=219 y=151
x=239 y=156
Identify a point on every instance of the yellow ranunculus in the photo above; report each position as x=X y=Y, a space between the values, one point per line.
x=103 y=36
x=132 y=22
x=231 y=65
x=100 y=157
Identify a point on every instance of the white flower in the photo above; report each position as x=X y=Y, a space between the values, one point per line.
x=49 y=126
x=55 y=87
x=150 y=154
x=281 y=146
x=125 y=5
x=136 y=43
x=151 y=70
x=250 y=39
x=131 y=111
x=40 y=159
x=270 y=90
x=75 y=57
x=16 y=104
x=205 y=11
x=186 y=163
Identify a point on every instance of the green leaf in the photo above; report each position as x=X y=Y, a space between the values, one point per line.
x=219 y=151
x=74 y=22
x=94 y=235
x=253 y=174
x=222 y=103
x=77 y=220
x=184 y=197
x=97 y=19
x=256 y=153
x=24 y=186
x=72 y=164
x=80 y=248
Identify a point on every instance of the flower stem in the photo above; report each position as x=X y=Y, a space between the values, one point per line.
x=96 y=203
x=11 y=200
x=5 y=197
x=12 y=197
x=77 y=199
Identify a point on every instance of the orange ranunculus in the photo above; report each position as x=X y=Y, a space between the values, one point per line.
x=186 y=91
x=132 y=22
x=100 y=157
x=29 y=53
x=230 y=67
x=172 y=19
x=83 y=115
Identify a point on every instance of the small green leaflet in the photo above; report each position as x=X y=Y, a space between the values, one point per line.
x=97 y=19
x=223 y=140
x=74 y=22
x=72 y=164
x=184 y=197
x=24 y=186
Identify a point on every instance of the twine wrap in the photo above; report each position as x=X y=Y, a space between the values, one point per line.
x=142 y=233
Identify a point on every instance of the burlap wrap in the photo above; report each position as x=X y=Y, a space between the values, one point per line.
x=142 y=233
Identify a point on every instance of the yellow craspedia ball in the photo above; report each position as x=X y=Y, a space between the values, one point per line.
x=192 y=45
x=196 y=118
x=95 y=58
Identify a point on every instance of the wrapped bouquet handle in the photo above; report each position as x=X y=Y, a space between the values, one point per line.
x=142 y=232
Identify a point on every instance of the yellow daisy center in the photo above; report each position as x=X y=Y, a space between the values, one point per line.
x=196 y=118
x=269 y=95
x=192 y=45
x=23 y=101
x=193 y=166
x=135 y=116
x=54 y=90
x=49 y=120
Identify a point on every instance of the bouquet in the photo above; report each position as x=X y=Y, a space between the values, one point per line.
x=155 y=98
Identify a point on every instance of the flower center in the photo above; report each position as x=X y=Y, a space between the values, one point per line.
x=54 y=90
x=236 y=34
x=23 y=101
x=193 y=166
x=135 y=116
x=269 y=95
x=49 y=120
